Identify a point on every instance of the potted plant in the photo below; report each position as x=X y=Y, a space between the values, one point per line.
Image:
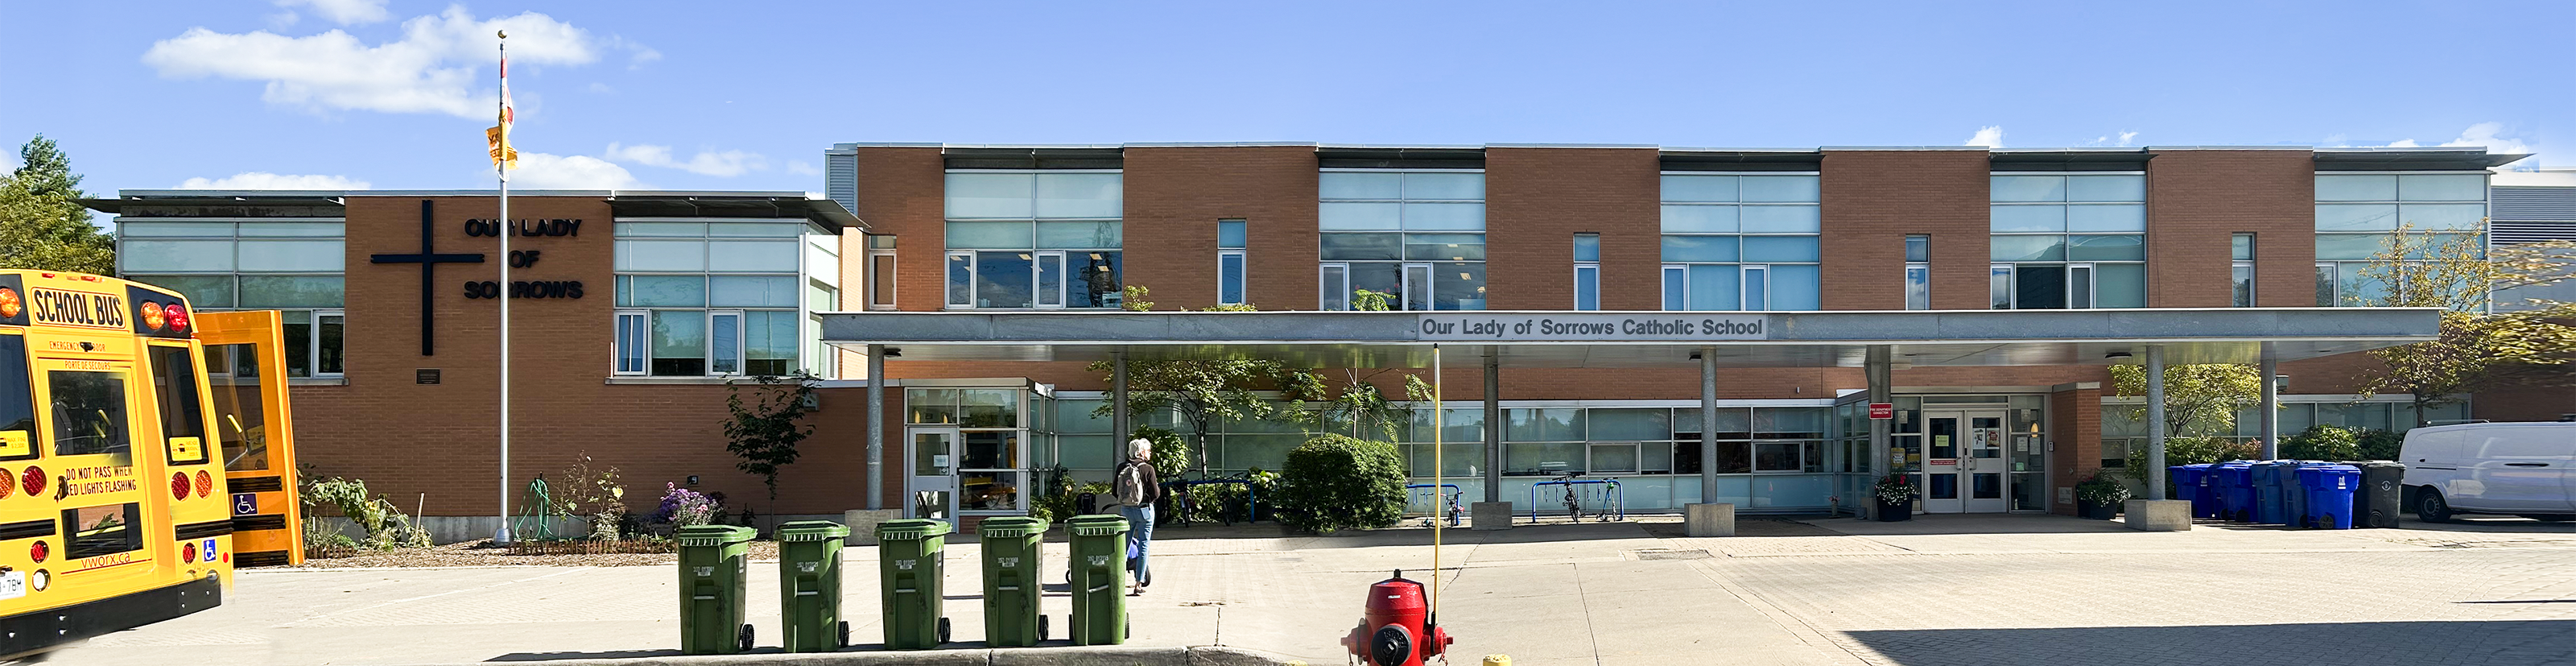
x=1895 y=493
x=2099 y=497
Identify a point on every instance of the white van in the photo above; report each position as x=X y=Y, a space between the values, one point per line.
x=2522 y=469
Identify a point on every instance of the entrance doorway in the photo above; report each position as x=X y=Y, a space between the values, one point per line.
x=1964 y=470
x=933 y=483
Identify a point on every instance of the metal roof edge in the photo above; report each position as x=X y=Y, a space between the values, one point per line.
x=1900 y=148
x=1223 y=144
x=1573 y=145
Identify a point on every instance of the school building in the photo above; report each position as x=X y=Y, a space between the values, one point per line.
x=990 y=277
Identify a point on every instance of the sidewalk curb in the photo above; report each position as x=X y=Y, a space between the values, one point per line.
x=1096 y=655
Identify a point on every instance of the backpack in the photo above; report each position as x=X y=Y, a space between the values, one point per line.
x=1129 y=486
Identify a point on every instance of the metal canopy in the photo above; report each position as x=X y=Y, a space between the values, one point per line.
x=1784 y=339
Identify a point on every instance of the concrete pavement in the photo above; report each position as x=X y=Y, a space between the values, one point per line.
x=1986 y=589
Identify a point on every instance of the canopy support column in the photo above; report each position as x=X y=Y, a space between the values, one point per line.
x=1120 y=431
x=2155 y=471
x=1707 y=426
x=2271 y=407
x=876 y=426
x=1493 y=476
x=1880 y=371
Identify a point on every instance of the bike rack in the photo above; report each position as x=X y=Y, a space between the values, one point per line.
x=1251 y=496
x=1609 y=491
x=1437 y=506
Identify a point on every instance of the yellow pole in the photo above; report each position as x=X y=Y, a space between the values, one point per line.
x=1437 y=508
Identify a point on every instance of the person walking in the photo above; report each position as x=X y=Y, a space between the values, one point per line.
x=1136 y=488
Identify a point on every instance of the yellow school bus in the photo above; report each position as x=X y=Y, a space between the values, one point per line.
x=116 y=509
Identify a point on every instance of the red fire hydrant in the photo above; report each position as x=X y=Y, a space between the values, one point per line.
x=1397 y=629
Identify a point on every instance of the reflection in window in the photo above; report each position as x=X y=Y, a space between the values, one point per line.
x=240 y=424
x=89 y=413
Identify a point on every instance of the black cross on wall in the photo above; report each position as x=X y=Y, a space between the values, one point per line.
x=429 y=260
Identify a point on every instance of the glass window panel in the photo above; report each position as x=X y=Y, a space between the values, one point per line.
x=292 y=291
x=203 y=291
x=1781 y=219
x=299 y=341
x=989 y=236
x=1270 y=452
x=881 y=279
x=2000 y=283
x=1078 y=195
x=1796 y=287
x=1360 y=185
x=2106 y=218
x=2357 y=188
x=1779 y=189
x=1714 y=287
x=2442 y=187
x=675 y=256
x=1334 y=288
x=747 y=291
x=1699 y=188
x=305 y=229
x=756 y=229
x=2356 y=217
x=2039 y=286
x=1544 y=459
x=2029 y=248
x=2028 y=188
x=1097 y=279
x=1775 y=456
x=2433 y=243
x=1448 y=186
x=2026 y=218
x=1614 y=458
x=679 y=342
x=292 y=256
x=1587 y=247
x=1700 y=219
x=1676 y=286
x=2432 y=217
x=2241 y=285
x=2120 y=285
x=1734 y=457
x=1757 y=295
x=2241 y=247
x=766 y=256
x=664 y=290
x=1079 y=235
x=1918 y=248
x=1780 y=248
x=1002 y=279
x=1613 y=424
x=1560 y=424
x=1587 y=287
x=2106 y=188
x=1444 y=217
x=1229 y=234
x=1444 y=247
x=171 y=255
x=661 y=229
x=2350 y=246
x=2106 y=248
x=723 y=335
x=1363 y=247
x=1417 y=287
x=990 y=195
x=1790 y=421
x=1229 y=278
x=630 y=343
x=168 y=229
x=1050 y=279
x=1334 y=216
x=961 y=279
x=1701 y=248
x=1918 y=288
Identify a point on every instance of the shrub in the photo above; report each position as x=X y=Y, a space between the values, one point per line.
x=2101 y=489
x=1895 y=488
x=2380 y=444
x=682 y=507
x=2323 y=442
x=1336 y=482
x=1171 y=452
x=385 y=526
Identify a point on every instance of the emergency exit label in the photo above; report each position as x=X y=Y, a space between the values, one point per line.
x=1882 y=410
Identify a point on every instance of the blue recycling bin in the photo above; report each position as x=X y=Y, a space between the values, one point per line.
x=2234 y=481
x=2329 y=489
x=2189 y=483
x=2294 y=494
x=2271 y=502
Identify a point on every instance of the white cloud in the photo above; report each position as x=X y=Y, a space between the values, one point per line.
x=803 y=169
x=1990 y=136
x=430 y=70
x=2119 y=140
x=2405 y=143
x=2486 y=135
x=602 y=88
x=725 y=164
x=262 y=180
x=541 y=171
x=343 y=12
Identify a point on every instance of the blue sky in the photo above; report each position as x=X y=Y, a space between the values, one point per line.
x=394 y=94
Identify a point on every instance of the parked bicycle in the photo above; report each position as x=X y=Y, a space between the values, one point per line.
x=1445 y=499
x=1573 y=500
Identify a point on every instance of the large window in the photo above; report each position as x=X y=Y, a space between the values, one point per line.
x=1918 y=272
x=2240 y=275
x=1587 y=271
x=89 y=413
x=1417 y=238
x=2068 y=241
x=1034 y=239
x=701 y=297
x=1740 y=242
x=2358 y=213
x=1229 y=262
x=293 y=265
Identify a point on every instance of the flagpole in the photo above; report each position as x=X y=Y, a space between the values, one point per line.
x=501 y=167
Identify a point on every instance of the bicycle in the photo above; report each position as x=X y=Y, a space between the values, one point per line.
x=1450 y=492
x=1573 y=502
x=1610 y=505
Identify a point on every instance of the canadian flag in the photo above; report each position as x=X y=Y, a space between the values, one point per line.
x=499 y=135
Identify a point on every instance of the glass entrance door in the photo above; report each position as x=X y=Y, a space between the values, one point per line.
x=1982 y=461
x=1964 y=466
x=933 y=483
x=1941 y=463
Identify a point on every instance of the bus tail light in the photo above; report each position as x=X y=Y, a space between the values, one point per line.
x=188 y=552
x=177 y=315
x=32 y=481
x=11 y=485
x=205 y=483
x=151 y=316
x=179 y=485
x=38 y=551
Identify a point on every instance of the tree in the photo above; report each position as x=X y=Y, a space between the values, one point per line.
x=765 y=430
x=2478 y=348
x=42 y=222
x=2200 y=400
x=1201 y=392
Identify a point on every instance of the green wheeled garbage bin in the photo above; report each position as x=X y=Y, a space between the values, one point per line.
x=809 y=586
x=909 y=560
x=1099 y=580
x=712 y=588
x=1011 y=585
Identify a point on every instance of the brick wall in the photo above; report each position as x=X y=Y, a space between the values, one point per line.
x=901 y=194
x=1174 y=197
x=2074 y=440
x=1873 y=199
x=1536 y=199
x=2197 y=200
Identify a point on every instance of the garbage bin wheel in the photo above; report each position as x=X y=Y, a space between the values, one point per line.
x=2430 y=507
x=845 y=635
x=742 y=639
x=943 y=630
x=2325 y=521
x=1042 y=627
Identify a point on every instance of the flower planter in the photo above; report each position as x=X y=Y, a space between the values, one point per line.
x=2096 y=510
x=1889 y=512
